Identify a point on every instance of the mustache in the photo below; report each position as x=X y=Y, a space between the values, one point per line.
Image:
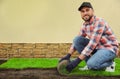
x=86 y=15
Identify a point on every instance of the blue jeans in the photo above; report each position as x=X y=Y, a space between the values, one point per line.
x=101 y=58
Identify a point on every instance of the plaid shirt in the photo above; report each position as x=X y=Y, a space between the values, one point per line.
x=100 y=35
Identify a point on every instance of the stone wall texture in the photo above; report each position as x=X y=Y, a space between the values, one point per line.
x=35 y=50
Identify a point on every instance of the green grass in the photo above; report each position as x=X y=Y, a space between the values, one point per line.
x=76 y=71
x=23 y=63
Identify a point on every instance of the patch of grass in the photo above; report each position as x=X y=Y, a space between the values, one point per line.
x=23 y=63
x=76 y=71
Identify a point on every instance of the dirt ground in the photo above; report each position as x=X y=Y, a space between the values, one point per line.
x=41 y=74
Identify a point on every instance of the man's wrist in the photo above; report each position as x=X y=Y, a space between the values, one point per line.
x=82 y=57
x=68 y=55
x=78 y=60
x=73 y=64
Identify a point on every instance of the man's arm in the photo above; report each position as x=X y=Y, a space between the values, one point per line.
x=95 y=38
x=82 y=32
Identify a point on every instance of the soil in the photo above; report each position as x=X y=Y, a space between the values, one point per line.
x=41 y=74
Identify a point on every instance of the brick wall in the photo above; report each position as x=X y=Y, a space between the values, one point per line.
x=34 y=50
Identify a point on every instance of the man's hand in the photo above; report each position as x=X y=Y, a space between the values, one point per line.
x=73 y=64
x=67 y=57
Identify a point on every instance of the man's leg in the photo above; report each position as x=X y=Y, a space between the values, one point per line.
x=101 y=59
x=79 y=44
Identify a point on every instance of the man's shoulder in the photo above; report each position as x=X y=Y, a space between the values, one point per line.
x=99 y=18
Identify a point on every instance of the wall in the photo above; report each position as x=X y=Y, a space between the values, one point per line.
x=34 y=50
x=50 y=21
x=46 y=28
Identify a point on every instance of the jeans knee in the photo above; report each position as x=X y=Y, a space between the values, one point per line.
x=80 y=40
x=75 y=40
x=79 y=43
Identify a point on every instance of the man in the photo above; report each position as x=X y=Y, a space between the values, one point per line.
x=95 y=42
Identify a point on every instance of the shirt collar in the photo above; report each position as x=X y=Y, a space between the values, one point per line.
x=90 y=22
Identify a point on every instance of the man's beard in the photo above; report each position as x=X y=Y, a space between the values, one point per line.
x=87 y=18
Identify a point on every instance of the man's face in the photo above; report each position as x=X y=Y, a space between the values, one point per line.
x=86 y=13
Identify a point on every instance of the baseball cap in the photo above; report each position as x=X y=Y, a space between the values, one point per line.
x=85 y=4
